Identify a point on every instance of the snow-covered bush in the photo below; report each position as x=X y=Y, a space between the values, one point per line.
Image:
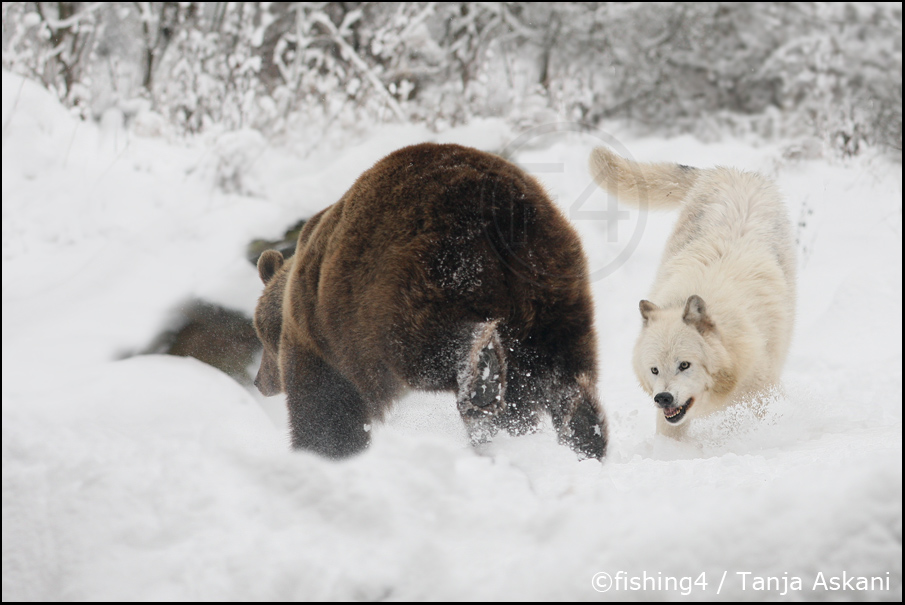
x=53 y=42
x=232 y=159
x=307 y=69
x=845 y=78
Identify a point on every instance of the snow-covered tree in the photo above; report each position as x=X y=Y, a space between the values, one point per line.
x=54 y=43
x=309 y=68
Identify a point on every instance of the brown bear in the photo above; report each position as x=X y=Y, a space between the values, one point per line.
x=441 y=268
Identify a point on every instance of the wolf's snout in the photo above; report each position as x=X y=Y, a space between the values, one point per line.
x=664 y=400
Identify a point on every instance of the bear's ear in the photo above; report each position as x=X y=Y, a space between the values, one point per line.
x=695 y=315
x=647 y=309
x=269 y=263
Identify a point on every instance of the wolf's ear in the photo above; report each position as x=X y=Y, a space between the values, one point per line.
x=269 y=263
x=647 y=308
x=696 y=315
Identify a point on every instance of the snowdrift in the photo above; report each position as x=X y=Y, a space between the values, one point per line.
x=158 y=477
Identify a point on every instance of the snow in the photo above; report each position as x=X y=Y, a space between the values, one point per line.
x=158 y=477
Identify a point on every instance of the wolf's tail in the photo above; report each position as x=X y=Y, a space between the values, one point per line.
x=643 y=185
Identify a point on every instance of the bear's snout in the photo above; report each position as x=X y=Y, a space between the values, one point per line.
x=268 y=378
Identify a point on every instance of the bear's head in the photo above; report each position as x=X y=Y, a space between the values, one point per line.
x=269 y=321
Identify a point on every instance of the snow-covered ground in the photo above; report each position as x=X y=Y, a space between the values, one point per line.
x=157 y=477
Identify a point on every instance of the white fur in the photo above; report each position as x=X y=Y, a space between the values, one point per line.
x=732 y=247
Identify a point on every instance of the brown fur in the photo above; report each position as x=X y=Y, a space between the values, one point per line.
x=389 y=285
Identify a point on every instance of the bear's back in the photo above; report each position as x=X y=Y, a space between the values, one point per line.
x=430 y=239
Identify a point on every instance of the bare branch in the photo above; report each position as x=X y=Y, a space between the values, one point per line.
x=360 y=65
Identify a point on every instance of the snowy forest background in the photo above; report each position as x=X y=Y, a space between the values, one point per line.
x=309 y=70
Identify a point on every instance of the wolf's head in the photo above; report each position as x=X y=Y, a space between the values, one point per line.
x=680 y=359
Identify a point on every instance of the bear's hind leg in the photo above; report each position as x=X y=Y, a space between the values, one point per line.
x=327 y=414
x=578 y=418
x=481 y=390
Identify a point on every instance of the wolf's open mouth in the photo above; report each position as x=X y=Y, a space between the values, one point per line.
x=674 y=415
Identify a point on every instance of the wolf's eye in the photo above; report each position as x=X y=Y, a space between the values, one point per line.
x=654 y=371
x=684 y=366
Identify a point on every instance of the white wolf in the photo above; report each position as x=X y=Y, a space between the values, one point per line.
x=723 y=304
